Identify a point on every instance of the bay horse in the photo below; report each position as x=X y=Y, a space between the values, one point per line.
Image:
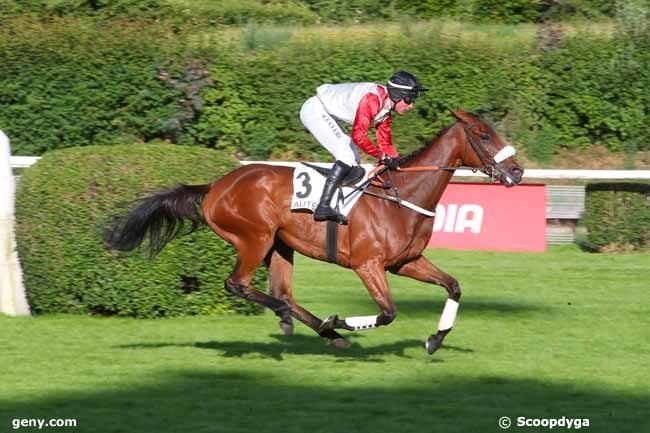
x=249 y=207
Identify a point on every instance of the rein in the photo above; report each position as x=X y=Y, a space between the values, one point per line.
x=423 y=168
x=374 y=174
x=434 y=168
x=489 y=169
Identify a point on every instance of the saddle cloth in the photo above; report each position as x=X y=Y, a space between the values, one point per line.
x=308 y=187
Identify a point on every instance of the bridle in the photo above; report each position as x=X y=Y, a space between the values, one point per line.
x=490 y=163
x=490 y=168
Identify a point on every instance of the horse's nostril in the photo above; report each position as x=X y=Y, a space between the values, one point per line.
x=517 y=172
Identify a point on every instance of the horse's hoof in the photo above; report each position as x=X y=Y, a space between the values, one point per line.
x=432 y=344
x=341 y=343
x=287 y=328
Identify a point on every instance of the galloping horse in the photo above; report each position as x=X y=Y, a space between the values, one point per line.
x=250 y=208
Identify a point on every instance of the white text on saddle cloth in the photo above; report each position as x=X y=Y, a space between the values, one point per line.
x=308 y=186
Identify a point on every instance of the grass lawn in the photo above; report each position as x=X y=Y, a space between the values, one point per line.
x=565 y=333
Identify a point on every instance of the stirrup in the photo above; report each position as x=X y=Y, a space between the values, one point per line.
x=328 y=214
x=339 y=218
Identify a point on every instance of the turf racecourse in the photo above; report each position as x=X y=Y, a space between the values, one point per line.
x=565 y=333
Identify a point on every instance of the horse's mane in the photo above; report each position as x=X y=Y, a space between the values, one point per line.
x=412 y=155
x=415 y=153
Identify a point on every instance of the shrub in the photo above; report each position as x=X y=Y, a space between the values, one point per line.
x=68 y=198
x=432 y=9
x=180 y=12
x=509 y=11
x=543 y=97
x=618 y=216
x=76 y=82
x=254 y=103
x=566 y=9
x=596 y=93
x=309 y=11
x=73 y=83
x=152 y=9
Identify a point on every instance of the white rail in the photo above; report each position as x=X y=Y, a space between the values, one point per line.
x=27 y=161
x=585 y=174
x=23 y=161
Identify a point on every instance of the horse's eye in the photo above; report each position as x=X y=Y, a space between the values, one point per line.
x=484 y=136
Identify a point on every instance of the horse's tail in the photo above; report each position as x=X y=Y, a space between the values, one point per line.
x=162 y=215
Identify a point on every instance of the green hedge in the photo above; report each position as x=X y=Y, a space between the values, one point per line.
x=73 y=82
x=576 y=91
x=254 y=104
x=310 y=11
x=179 y=12
x=618 y=216
x=68 y=198
x=597 y=90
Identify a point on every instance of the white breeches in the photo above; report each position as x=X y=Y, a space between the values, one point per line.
x=328 y=132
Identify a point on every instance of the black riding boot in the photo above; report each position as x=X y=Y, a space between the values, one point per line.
x=324 y=211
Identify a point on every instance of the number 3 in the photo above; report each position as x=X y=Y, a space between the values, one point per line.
x=305 y=182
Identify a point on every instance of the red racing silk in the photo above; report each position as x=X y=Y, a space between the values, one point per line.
x=369 y=107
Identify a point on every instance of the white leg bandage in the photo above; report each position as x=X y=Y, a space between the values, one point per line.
x=448 y=317
x=362 y=322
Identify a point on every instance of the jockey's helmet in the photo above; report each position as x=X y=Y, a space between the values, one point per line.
x=404 y=85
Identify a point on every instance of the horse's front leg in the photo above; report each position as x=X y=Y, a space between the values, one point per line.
x=422 y=269
x=373 y=276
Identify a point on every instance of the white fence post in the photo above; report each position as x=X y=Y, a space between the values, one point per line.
x=12 y=293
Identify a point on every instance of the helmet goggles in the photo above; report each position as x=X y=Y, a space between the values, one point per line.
x=407 y=93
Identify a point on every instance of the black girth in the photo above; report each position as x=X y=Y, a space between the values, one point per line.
x=332 y=247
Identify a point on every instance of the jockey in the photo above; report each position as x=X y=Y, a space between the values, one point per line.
x=362 y=105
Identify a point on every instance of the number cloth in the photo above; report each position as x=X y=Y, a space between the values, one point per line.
x=308 y=187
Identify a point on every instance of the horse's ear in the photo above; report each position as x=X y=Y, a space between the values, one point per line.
x=463 y=116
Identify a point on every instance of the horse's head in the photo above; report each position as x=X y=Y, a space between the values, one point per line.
x=484 y=150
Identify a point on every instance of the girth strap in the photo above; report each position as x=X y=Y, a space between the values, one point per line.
x=332 y=247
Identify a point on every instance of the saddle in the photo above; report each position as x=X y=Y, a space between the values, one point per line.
x=355 y=174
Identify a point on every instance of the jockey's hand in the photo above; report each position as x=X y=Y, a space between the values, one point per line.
x=389 y=162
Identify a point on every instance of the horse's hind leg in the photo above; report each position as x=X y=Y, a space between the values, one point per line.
x=251 y=250
x=422 y=269
x=280 y=264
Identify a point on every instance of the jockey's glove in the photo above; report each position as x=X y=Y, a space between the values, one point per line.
x=389 y=162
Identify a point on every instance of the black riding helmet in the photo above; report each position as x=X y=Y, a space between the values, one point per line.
x=404 y=85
